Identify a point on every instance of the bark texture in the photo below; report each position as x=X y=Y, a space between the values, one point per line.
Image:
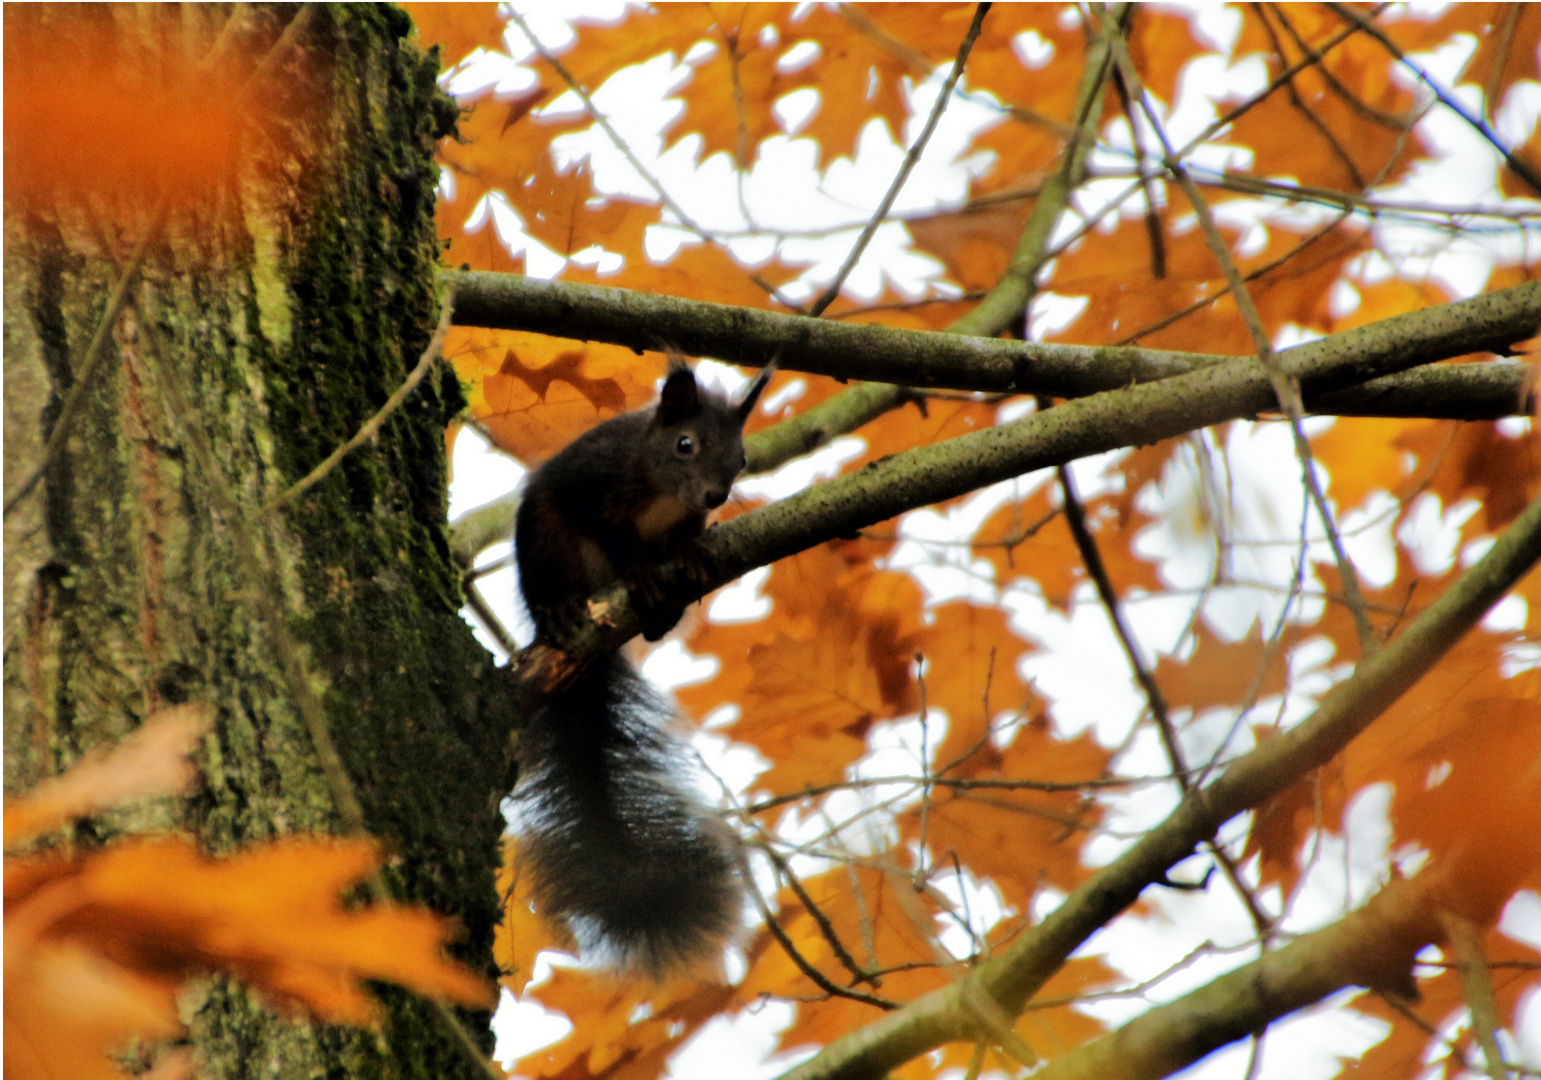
x=283 y=303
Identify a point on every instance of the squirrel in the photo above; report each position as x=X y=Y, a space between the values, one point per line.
x=642 y=872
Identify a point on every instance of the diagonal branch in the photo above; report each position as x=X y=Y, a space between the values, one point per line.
x=1370 y=946
x=1018 y=972
x=1465 y=936
x=371 y=427
x=814 y=975
x=1096 y=569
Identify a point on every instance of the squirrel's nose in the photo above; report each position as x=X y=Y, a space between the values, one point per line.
x=714 y=497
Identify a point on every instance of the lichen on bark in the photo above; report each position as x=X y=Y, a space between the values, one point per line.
x=286 y=302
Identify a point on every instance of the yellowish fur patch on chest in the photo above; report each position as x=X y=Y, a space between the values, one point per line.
x=661 y=515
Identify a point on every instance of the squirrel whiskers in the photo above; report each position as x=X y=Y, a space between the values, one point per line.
x=618 y=846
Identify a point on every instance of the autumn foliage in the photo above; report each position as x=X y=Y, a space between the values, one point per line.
x=865 y=631
x=957 y=719
x=98 y=944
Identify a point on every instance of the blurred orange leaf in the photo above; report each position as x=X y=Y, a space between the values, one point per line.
x=149 y=761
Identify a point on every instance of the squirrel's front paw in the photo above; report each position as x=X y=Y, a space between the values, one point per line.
x=655 y=611
x=697 y=564
x=559 y=622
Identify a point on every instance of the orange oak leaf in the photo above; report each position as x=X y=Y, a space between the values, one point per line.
x=270 y=914
x=456 y=28
x=535 y=394
x=522 y=934
x=1222 y=672
x=623 y=1029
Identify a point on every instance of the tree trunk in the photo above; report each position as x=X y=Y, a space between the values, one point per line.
x=275 y=311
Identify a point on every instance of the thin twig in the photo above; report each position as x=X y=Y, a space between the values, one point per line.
x=1152 y=214
x=917 y=63
x=1351 y=99
x=816 y=976
x=85 y=368
x=1304 y=110
x=827 y=297
x=1270 y=654
x=1225 y=290
x=1287 y=390
x=1232 y=181
x=1477 y=985
x=826 y=928
x=489 y=619
x=921 y=872
x=1255 y=1056
x=955 y=784
x=976 y=1062
x=1522 y=168
x=1139 y=990
x=1096 y=569
x=481 y=570
x=371 y=427
x=630 y=155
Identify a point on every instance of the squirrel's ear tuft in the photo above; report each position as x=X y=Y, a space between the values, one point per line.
x=680 y=399
x=746 y=404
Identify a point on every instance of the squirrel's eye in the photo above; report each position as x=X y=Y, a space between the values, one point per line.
x=685 y=447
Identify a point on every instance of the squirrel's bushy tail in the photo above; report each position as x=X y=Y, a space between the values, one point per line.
x=641 y=870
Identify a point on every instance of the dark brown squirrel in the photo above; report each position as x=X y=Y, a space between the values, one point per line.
x=640 y=869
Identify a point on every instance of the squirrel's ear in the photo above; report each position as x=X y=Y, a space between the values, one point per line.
x=746 y=404
x=680 y=399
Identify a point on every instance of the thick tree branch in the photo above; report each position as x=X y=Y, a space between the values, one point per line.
x=915 y=358
x=1373 y=946
x=1479 y=391
x=1015 y=974
x=1136 y=415
x=1003 y=306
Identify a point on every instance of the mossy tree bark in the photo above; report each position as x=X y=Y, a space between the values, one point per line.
x=279 y=307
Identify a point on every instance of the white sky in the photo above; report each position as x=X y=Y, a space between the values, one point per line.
x=1256 y=465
